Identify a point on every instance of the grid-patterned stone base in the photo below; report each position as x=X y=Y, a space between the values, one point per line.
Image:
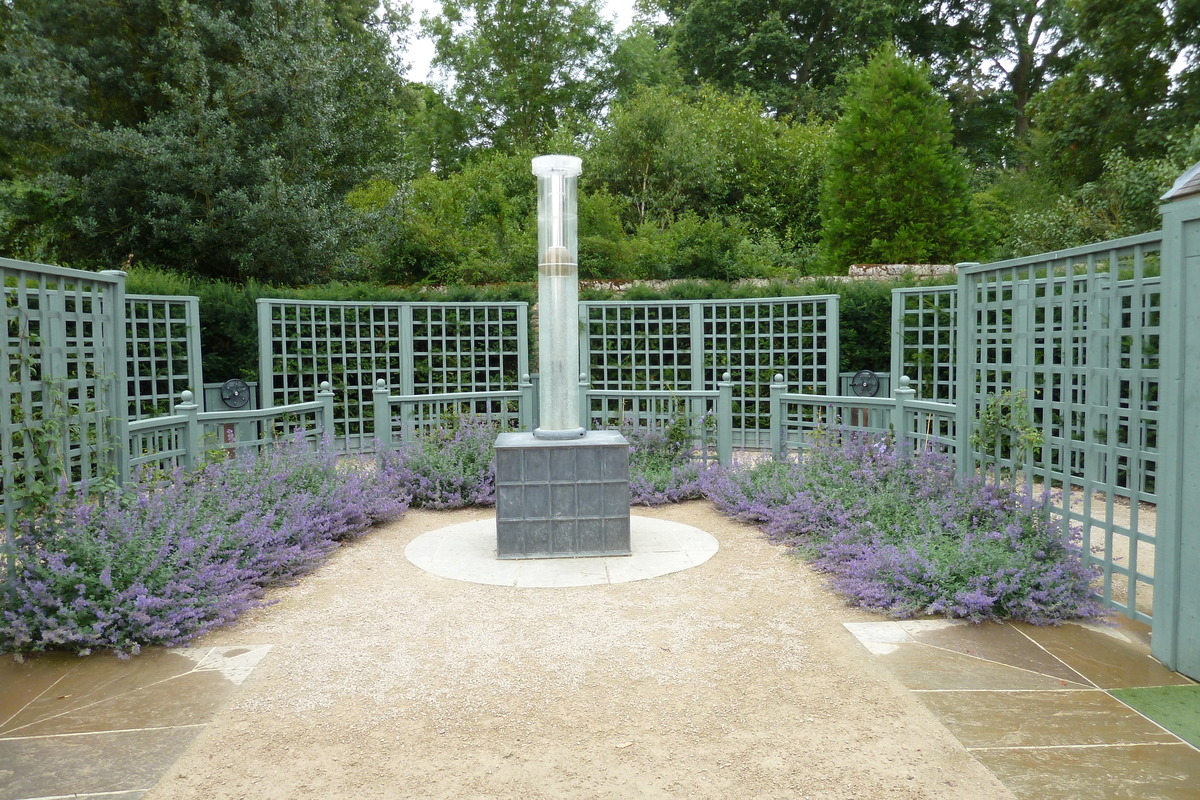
x=562 y=499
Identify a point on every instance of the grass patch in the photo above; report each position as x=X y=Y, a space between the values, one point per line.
x=1176 y=708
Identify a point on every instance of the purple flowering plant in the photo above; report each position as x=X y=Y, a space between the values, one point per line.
x=664 y=466
x=452 y=465
x=898 y=533
x=167 y=558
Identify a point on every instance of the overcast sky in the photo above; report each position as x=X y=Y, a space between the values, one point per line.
x=420 y=50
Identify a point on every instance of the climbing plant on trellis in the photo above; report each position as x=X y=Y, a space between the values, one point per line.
x=62 y=387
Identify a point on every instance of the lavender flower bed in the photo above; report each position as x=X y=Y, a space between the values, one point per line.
x=164 y=560
x=661 y=469
x=899 y=534
x=454 y=466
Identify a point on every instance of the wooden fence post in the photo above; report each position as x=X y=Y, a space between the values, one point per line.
x=325 y=395
x=725 y=421
x=901 y=395
x=381 y=399
x=585 y=407
x=527 y=419
x=777 y=390
x=187 y=408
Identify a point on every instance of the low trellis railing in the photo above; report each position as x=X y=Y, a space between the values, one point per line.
x=708 y=416
x=920 y=424
x=188 y=436
x=410 y=416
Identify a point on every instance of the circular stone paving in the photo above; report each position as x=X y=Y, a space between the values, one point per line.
x=467 y=552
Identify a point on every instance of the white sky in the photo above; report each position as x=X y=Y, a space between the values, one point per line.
x=420 y=50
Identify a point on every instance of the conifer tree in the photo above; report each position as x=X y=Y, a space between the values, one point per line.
x=895 y=190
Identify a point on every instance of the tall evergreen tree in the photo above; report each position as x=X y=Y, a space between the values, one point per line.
x=895 y=189
x=214 y=136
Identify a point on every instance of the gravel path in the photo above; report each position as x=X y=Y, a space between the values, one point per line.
x=734 y=679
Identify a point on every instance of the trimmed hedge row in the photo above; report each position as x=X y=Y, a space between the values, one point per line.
x=229 y=336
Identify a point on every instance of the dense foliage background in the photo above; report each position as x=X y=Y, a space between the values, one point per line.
x=229 y=333
x=277 y=140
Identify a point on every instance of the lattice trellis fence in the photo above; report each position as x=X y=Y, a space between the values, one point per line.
x=924 y=330
x=415 y=348
x=62 y=396
x=686 y=346
x=1078 y=333
x=162 y=334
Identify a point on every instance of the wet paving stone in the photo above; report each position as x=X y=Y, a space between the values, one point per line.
x=1031 y=704
x=100 y=726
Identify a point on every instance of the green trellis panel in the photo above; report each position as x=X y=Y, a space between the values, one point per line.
x=416 y=348
x=924 y=331
x=1176 y=640
x=63 y=353
x=687 y=345
x=1078 y=332
x=162 y=335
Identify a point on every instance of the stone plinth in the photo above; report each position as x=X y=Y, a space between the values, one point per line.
x=562 y=498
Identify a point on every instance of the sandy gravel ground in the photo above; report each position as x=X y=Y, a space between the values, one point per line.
x=734 y=679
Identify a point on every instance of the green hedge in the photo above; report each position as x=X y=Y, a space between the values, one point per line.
x=229 y=334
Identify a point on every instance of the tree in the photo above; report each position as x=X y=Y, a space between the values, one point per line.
x=712 y=154
x=1027 y=43
x=518 y=69
x=641 y=59
x=790 y=53
x=1185 y=89
x=214 y=137
x=1116 y=95
x=895 y=189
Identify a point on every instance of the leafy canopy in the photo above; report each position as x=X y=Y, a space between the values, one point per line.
x=213 y=137
x=518 y=69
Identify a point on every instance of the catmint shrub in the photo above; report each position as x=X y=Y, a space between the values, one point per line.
x=898 y=533
x=663 y=467
x=163 y=560
x=451 y=466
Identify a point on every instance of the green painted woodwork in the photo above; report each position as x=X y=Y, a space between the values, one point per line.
x=162 y=336
x=924 y=331
x=1077 y=332
x=686 y=345
x=922 y=424
x=415 y=415
x=1176 y=640
x=416 y=348
x=62 y=387
x=188 y=436
x=657 y=410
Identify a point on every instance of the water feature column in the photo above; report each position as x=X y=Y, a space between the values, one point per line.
x=561 y=491
x=558 y=296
